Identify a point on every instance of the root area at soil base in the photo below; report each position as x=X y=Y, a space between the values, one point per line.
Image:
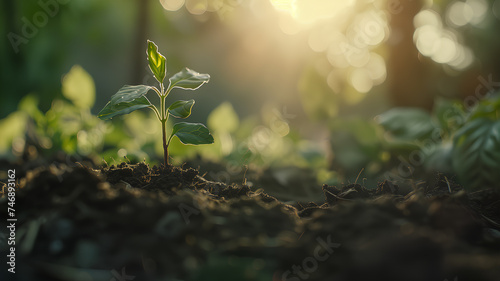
x=167 y=223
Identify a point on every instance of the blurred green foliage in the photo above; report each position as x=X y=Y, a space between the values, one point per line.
x=409 y=143
x=74 y=32
x=67 y=126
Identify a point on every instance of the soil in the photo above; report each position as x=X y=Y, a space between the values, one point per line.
x=136 y=222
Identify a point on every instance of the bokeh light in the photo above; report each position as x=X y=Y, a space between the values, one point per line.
x=442 y=44
x=172 y=5
x=346 y=33
x=460 y=13
x=197 y=7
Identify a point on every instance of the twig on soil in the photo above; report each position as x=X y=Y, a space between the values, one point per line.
x=244 y=176
x=339 y=198
x=301 y=235
x=211 y=184
x=448 y=183
x=494 y=203
x=359 y=175
x=491 y=221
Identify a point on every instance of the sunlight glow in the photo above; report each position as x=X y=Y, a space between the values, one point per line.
x=347 y=35
x=313 y=10
x=172 y=5
x=310 y=11
x=288 y=24
x=283 y=5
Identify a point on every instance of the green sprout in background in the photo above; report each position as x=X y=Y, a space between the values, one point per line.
x=130 y=98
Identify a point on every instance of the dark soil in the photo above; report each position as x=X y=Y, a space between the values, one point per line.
x=135 y=222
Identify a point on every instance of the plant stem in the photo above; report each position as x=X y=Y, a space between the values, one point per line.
x=165 y=146
x=163 y=119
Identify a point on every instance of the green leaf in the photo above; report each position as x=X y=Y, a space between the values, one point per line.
x=12 y=126
x=78 y=86
x=449 y=114
x=476 y=153
x=438 y=157
x=487 y=108
x=408 y=124
x=126 y=100
x=181 y=108
x=188 y=79
x=192 y=133
x=157 y=62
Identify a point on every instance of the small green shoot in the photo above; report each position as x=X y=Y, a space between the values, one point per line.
x=130 y=98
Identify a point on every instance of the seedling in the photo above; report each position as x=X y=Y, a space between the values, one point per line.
x=130 y=98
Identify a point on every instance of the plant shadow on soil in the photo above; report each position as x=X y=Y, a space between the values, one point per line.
x=136 y=222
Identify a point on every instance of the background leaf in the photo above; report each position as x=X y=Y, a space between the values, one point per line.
x=78 y=86
x=487 y=108
x=192 y=133
x=449 y=114
x=476 y=153
x=188 y=79
x=223 y=118
x=407 y=123
x=126 y=100
x=157 y=62
x=181 y=108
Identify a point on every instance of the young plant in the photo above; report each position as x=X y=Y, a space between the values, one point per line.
x=130 y=98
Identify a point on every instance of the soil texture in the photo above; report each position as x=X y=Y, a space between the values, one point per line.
x=136 y=222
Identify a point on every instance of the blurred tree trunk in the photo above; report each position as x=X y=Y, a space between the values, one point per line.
x=12 y=62
x=406 y=74
x=139 y=50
